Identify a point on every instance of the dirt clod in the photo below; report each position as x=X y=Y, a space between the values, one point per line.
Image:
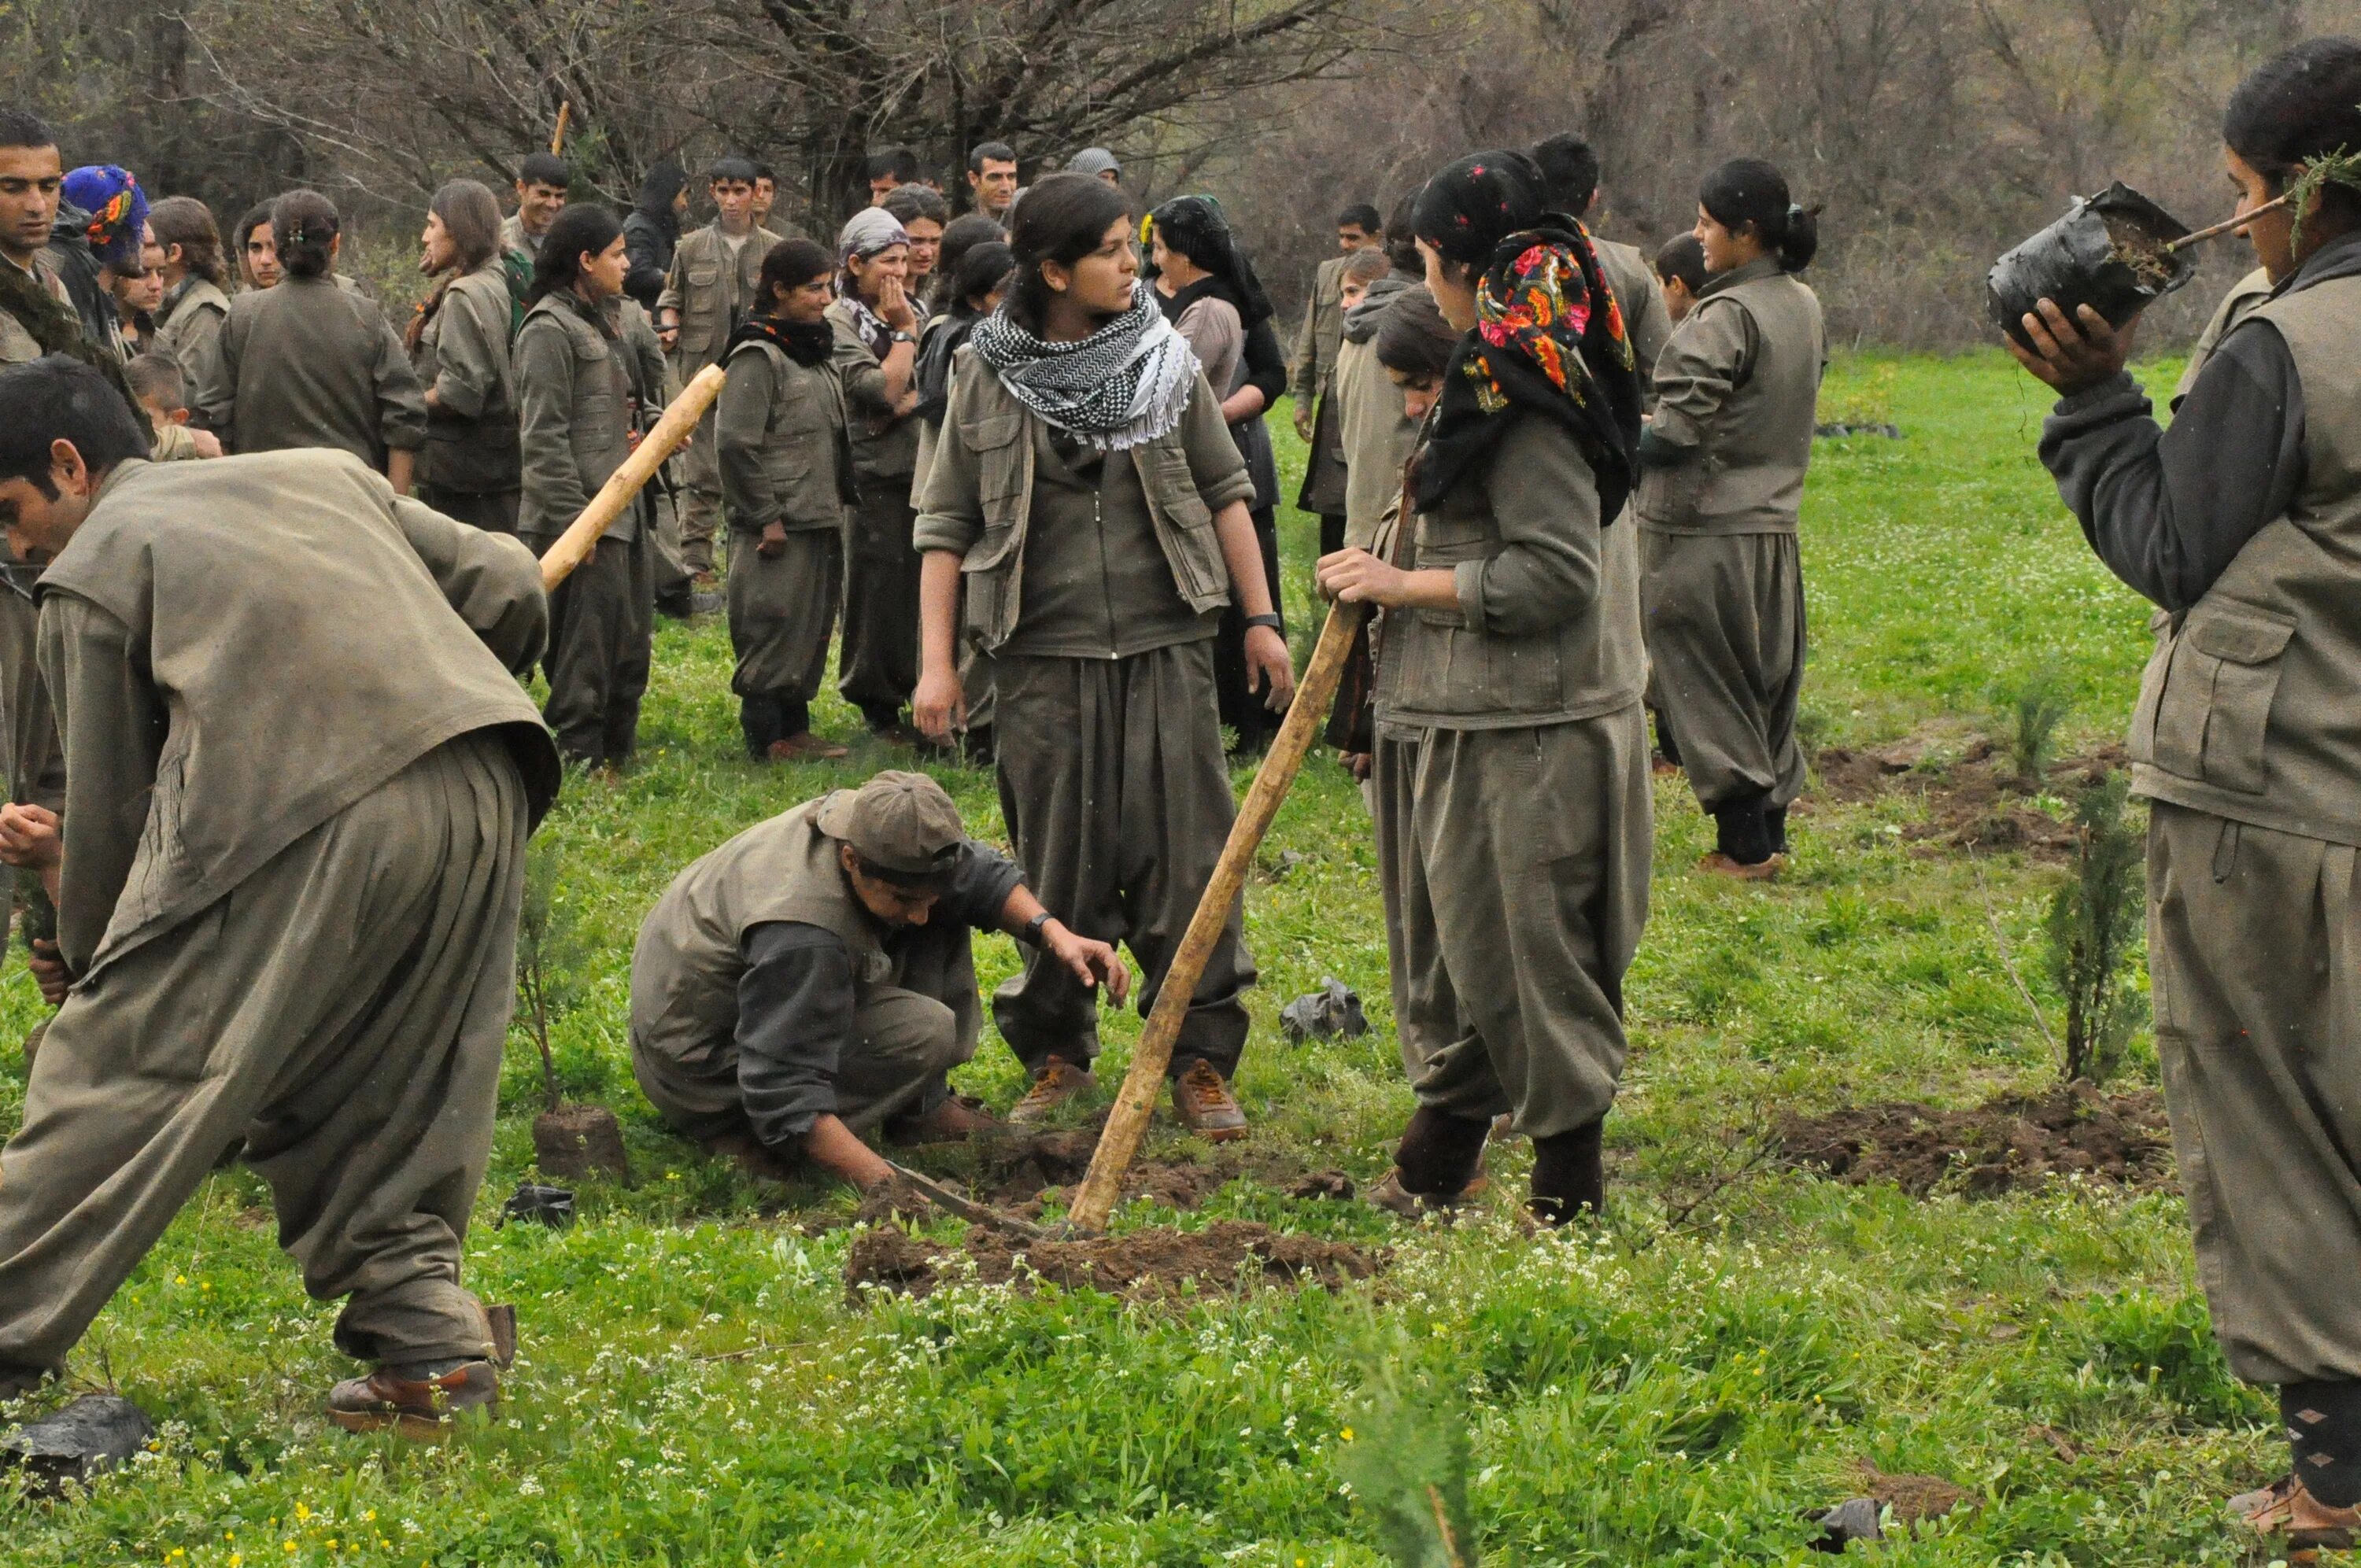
x=1915 y=1499
x=1145 y=1265
x=1974 y=801
x=1325 y=1184
x=2002 y=1145
x=578 y=1141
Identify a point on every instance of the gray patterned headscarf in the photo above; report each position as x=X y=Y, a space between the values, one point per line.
x=1124 y=385
x=867 y=233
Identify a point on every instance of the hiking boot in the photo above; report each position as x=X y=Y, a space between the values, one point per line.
x=2285 y=1508
x=706 y=581
x=1201 y=1099
x=1720 y=864
x=807 y=747
x=1394 y=1198
x=416 y=1400
x=1058 y=1082
x=952 y=1122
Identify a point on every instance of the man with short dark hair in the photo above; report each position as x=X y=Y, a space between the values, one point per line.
x=810 y=980
x=712 y=283
x=1570 y=171
x=992 y=180
x=310 y=946
x=37 y=316
x=541 y=187
x=766 y=193
x=1313 y=378
x=890 y=171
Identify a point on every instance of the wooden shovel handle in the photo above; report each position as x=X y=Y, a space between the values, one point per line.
x=557 y=136
x=623 y=486
x=1127 y=1123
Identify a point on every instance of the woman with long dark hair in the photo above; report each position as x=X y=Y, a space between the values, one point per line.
x=1207 y=288
x=1514 y=822
x=577 y=385
x=1721 y=583
x=459 y=343
x=254 y=249
x=308 y=364
x=2241 y=523
x=876 y=329
x=1089 y=497
x=787 y=477
x=196 y=291
x=652 y=230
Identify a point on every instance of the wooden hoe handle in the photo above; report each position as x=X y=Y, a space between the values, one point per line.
x=581 y=535
x=1127 y=1123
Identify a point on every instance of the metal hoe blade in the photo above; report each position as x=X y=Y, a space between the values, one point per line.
x=967 y=1208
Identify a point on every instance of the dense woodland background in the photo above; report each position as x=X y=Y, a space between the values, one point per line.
x=1935 y=132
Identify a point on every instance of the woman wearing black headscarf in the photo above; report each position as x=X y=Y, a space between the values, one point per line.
x=1514 y=822
x=1200 y=270
x=651 y=229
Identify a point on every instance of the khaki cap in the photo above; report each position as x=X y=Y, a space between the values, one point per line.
x=897 y=822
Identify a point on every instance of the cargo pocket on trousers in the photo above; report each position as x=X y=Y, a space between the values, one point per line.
x=2214 y=714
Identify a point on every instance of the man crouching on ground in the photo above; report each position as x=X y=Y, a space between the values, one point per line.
x=810 y=980
x=299 y=781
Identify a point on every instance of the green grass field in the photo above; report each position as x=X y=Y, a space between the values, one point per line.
x=695 y=1388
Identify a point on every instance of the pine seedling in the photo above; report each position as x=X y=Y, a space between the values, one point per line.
x=549 y=954
x=2039 y=706
x=2092 y=921
x=1409 y=1460
x=2342 y=167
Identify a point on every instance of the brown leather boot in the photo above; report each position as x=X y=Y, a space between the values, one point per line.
x=2284 y=1508
x=1201 y=1099
x=1720 y=864
x=1058 y=1082
x=419 y=1407
x=807 y=747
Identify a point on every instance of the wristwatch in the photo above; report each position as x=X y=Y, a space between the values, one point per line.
x=1031 y=935
x=901 y=336
x=1273 y=621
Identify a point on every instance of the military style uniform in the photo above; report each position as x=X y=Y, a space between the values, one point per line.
x=2236 y=305
x=310 y=947
x=1378 y=436
x=713 y=293
x=310 y=363
x=1721 y=590
x=470 y=468
x=1095 y=583
x=576 y=386
x=1510 y=929
x=784 y=458
x=1310 y=382
x=879 y=668
x=514 y=237
x=1646 y=322
x=188 y=332
x=765 y=995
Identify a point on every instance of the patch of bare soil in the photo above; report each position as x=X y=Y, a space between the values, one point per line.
x=1145 y=1265
x=1024 y=1175
x=2002 y=1145
x=575 y=1142
x=1974 y=801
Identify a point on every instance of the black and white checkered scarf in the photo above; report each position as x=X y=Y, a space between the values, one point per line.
x=1123 y=385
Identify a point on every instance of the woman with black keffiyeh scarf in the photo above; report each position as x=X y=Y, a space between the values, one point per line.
x=1514 y=822
x=1087 y=504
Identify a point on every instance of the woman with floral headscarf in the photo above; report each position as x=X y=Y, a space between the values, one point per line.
x=1514 y=822
x=876 y=325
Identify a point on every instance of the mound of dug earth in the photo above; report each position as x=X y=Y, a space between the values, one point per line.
x=1146 y=1265
x=2000 y=1146
x=1974 y=802
x=1022 y=1175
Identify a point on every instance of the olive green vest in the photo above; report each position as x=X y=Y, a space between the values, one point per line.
x=1752 y=451
x=2251 y=707
x=690 y=954
x=599 y=426
x=885 y=446
x=999 y=431
x=805 y=451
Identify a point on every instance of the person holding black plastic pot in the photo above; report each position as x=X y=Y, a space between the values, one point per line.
x=1509 y=673
x=2241 y=523
x=1721 y=583
x=1088 y=495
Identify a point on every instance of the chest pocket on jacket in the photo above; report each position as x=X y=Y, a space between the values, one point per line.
x=2209 y=706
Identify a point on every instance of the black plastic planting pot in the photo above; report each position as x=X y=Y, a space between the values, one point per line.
x=2108 y=253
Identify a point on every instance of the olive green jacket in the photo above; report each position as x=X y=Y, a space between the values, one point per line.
x=238 y=650
x=711 y=296
x=782 y=445
x=1322 y=332
x=2236 y=306
x=308 y=363
x=1736 y=386
x=1547 y=626
x=2246 y=708
x=1646 y=322
x=577 y=381
x=463 y=359
x=191 y=334
x=979 y=498
x=885 y=445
